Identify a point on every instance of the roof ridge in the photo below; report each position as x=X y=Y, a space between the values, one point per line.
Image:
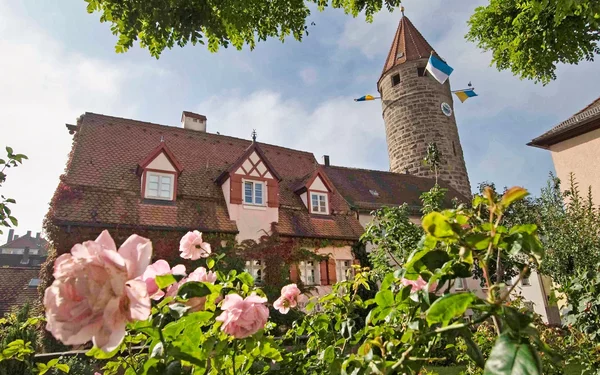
x=379 y=171
x=171 y=127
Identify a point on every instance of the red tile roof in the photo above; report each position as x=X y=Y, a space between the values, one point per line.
x=101 y=187
x=26 y=241
x=14 y=290
x=581 y=122
x=368 y=190
x=408 y=45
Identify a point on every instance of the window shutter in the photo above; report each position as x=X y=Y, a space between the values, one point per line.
x=272 y=193
x=236 y=189
x=332 y=271
x=294 y=273
x=323 y=272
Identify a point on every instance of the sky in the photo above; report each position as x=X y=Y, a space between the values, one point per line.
x=57 y=62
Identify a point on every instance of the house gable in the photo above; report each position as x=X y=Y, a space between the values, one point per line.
x=251 y=166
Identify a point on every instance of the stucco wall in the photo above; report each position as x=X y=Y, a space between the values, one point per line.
x=534 y=293
x=161 y=163
x=581 y=156
x=252 y=221
x=337 y=253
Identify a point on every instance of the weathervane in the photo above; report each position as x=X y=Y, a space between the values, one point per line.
x=253 y=135
x=402 y=10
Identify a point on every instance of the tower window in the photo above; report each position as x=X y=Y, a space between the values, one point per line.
x=421 y=72
x=454 y=148
x=395 y=79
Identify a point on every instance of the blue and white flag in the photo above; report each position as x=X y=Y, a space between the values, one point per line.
x=438 y=69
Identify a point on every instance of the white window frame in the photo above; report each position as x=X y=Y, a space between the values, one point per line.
x=256 y=268
x=13 y=251
x=159 y=175
x=341 y=269
x=461 y=284
x=305 y=267
x=33 y=251
x=319 y=195
x=254 y=183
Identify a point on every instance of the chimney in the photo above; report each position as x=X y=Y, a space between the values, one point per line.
x=37 y=236
x=193 y=121
x=15 y=237
x=25 y=259
x=326 y=160
x=28 y=233
x=11 y=233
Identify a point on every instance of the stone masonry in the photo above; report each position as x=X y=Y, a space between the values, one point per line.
x=413 y=118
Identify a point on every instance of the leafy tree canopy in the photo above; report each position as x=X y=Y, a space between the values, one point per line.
x=529 y=37
x=159 y=24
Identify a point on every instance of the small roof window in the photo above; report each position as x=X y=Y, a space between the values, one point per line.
x=34 y=283
x=374 y=193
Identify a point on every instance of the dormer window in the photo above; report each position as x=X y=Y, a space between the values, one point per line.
x=158 y=174
x=254 y=192
x=319 y=203
x=159 y=185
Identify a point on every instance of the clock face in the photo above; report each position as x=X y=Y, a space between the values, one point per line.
x=446 y=109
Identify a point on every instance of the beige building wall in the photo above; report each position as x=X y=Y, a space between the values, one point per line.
x=579 y=155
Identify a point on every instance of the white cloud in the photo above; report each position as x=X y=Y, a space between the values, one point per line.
x=338 y=127
x=44 y=86
x=308 y=75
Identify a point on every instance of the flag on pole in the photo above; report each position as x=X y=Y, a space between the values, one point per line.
x=438 y=69
x=366 y=97
x=465 y=94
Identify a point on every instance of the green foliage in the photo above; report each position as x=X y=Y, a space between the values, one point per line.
x=393 y=235
x=530 y=37
x=159 y=24
x=403 y=327
x=583 y=293
x=12 y=160
x=18 y=337
x=570 y=224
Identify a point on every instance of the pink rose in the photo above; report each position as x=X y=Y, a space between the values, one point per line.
x=200 y=275
x=417 y=284
x=97 y=290
x=192 y=247
x=159 y=268
x=243 y=317
x=288 y=299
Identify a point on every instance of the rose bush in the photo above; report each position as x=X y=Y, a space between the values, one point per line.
x=210 y=322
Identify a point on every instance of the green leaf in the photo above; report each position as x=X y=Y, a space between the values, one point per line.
x=100 y=354
x=516 y=320
x=450 y=306
x=478 y=241
x=438 y=226
x=163 y=281
x=384 y=298
x=435 y=259
x=210 y=263
x=512 y=357
x=246 y=278
x=194 y=289
x=515 y=193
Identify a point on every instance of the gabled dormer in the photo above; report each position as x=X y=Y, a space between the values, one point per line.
x=316 y=191
x=252 y=180
x=158 y=173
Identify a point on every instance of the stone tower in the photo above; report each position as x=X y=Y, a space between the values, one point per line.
x=418 y=110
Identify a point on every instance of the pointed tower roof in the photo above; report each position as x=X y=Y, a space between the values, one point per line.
x=408 y=45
